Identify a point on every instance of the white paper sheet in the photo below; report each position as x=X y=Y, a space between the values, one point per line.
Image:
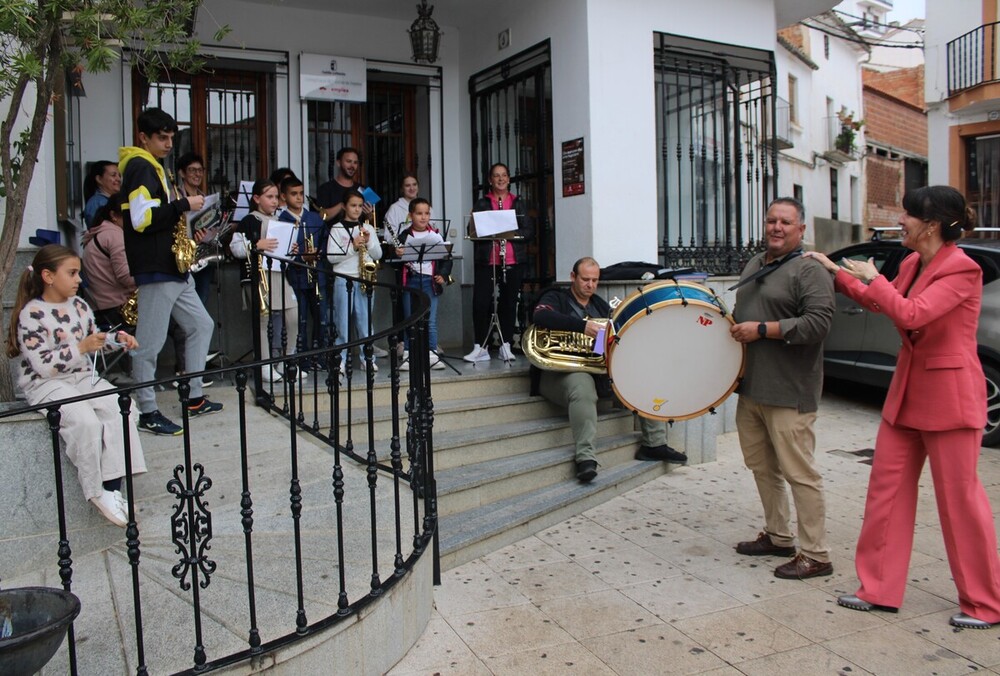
x=492 y=223
x=281 y=231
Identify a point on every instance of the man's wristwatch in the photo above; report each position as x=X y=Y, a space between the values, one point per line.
x=762 y=330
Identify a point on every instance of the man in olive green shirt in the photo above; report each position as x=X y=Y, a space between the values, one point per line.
x=784 y=305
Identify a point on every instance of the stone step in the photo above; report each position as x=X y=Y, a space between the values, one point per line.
x=472 y=486
x=454 y=414
x=492 y=442
x=470 y=534
x=445 y=386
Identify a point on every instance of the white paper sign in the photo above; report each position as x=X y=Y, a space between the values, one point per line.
x=281 y=231
x=332 y=78
x=491 y=223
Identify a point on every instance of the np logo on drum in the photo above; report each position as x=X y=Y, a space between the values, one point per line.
x=658 y=404
x=705 y=320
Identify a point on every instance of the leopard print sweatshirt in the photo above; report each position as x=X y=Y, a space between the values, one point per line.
x=49 y=335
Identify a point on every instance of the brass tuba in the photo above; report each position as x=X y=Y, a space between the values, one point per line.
x=558 y=350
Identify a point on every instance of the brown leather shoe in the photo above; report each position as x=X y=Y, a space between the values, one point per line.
x=802 y=567
x=763 y=546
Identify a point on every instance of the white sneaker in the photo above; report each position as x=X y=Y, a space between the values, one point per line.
x=110 y=508
x=378 y=352
x=478 y=354
x=404 y=363
x=269 y=374
x=364 y=365
x=505 y=352
x=435 y=361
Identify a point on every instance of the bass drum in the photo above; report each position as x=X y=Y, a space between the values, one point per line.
x=672 y=356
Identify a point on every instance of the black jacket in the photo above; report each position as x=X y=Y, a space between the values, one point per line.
x=150 y=216
x=557 y=309
x=525 y=227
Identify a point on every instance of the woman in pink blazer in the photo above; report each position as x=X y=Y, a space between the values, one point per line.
x=935 y=408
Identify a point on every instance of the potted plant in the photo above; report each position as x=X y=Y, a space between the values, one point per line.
x=849 y=127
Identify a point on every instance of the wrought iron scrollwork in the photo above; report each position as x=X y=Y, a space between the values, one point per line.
x=191 y=527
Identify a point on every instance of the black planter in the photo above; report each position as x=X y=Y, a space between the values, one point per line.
x=39 y=617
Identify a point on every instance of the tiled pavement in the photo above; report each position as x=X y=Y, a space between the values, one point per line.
x=649 y=583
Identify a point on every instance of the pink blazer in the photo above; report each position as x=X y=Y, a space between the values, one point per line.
x=939 y=383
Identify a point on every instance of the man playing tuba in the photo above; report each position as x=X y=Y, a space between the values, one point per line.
x=574 y=309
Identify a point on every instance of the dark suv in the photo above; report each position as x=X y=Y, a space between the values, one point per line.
x=862 y=345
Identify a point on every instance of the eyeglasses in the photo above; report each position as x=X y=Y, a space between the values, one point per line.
x=195 y=170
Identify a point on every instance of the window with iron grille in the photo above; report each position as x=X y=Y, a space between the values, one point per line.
x=385 y=132
x=224 y=116
x=715 y=107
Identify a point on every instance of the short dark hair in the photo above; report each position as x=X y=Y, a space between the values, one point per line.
x=280 y=174
x=112 y=206
x=353 y=193
x=347 y=149
x=943 y=204
x=790 y=201
x=153 y=120
x=417 y=201
x=289 y=183
x=187 y=159
x=586 y=260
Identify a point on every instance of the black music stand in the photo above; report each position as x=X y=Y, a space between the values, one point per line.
x=502 y=238
x=428 y=253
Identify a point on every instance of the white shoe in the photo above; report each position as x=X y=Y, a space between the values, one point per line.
x=404 y=363
x=109 y=507
x=269 y=374
x=478 y=354
x=435 y=361
x=505 y=352
x=378 y=352
x=364 y=365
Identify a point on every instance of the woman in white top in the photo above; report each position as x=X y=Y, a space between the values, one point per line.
x=397 y=216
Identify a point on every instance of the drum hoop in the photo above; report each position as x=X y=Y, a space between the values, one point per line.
x=674 y=301
x=612 y=344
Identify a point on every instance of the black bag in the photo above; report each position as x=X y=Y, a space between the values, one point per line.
x=631 y=270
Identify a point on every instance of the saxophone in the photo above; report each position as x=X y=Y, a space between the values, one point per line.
x=367 y=268
x=129 y=310
x=184 y=249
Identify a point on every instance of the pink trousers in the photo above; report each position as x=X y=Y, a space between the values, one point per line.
x=886 y=541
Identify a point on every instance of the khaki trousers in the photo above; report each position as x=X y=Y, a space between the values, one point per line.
x=778 y=446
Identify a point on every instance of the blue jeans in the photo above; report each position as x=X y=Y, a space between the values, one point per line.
x=423 y=283
x=356 y=310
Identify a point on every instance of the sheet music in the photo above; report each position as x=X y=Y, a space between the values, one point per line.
x=493 y=223
x=209 y=216
x=282 y=231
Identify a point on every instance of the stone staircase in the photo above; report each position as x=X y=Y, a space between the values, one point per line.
x=504 y=459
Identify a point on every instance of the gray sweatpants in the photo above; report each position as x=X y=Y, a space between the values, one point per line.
x=158 y=302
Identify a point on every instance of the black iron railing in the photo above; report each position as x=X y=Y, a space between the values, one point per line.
x=405 y=460
x=717 y=168
x=972 y=59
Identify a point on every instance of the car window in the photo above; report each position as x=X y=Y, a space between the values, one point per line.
x=879 y=258
x=990 y=269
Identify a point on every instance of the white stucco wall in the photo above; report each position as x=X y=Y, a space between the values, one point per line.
x=945 y=22
x=40 y=208
x=838 y=78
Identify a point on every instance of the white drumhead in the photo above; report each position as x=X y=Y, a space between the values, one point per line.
x=676 y=363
